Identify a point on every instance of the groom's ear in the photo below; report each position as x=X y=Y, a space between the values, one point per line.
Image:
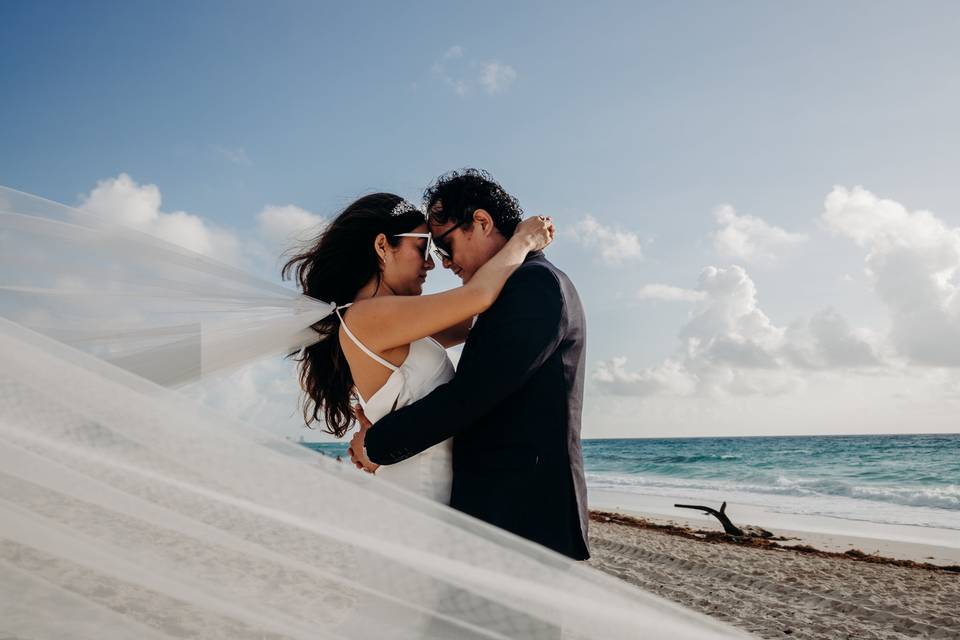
x=483 y=221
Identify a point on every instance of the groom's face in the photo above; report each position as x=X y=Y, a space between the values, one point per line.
x=470 y=247
x=455 y=244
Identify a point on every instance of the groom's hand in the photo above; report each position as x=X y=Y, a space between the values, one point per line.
x=358 y=454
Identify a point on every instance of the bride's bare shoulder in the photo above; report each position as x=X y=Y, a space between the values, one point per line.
x=370 y=312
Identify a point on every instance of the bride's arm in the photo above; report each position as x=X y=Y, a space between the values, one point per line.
x=386 y=322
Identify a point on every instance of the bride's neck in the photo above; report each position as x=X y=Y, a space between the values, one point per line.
x=373 y=289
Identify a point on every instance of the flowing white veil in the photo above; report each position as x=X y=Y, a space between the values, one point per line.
x=127 y=510
x=148 y=306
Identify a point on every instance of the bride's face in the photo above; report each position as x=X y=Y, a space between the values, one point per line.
x=404 y=266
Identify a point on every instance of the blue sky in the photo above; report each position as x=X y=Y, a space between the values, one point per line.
x=647 y=117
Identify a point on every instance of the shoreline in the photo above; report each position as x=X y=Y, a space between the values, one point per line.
x=828 y=534
x=778 y=543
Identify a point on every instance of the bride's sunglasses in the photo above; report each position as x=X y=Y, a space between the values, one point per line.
x=440 y=248
x=426 y=249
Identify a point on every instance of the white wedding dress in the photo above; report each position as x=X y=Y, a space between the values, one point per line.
x=427 y=366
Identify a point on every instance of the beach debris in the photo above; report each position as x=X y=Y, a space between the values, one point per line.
x=766 y=544
x=748 y=531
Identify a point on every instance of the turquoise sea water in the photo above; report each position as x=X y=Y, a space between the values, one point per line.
x=898 y=479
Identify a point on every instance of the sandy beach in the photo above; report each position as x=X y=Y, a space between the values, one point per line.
x=777 y=592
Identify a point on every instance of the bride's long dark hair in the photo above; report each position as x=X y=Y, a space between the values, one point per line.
x=338 y=264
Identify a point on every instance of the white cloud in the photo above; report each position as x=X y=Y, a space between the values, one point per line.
x=288 y=225
x=265 y=393
x=457 y=73
x=842 y=346
x=883 y=224
x=496 y=77
x=730 y=347
x=440 y=69
x=123 y=201
x=826 y=341
x=727 y=326
x=615 y=246
x=278 y=228
x=913 y=260
x=669 y=293
x=750 y=239
x=670 y=377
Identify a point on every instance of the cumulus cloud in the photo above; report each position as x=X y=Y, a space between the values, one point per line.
x=827 y=341
x=729 y=346
x=278 y=228
x=670 y=377
x=616 y=247
x=913 y=260
x=496 y=77
x=669 y=293
x=728 y=326
x=125 y=202
x=288 y=225
x=750 y=239
x=842 y=346
x=263 y=393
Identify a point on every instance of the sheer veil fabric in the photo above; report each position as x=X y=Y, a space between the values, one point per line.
x=164 y=312
x=127 y=510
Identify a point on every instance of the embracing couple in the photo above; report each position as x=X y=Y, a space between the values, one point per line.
x=499 y=438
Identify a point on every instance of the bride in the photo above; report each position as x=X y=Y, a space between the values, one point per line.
x=386 y=343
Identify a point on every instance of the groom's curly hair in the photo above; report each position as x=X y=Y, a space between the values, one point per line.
x=457 y=194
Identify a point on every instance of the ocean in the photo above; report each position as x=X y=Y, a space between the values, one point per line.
x=892 y=479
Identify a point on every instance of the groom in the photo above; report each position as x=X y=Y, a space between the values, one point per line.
x=513 y=408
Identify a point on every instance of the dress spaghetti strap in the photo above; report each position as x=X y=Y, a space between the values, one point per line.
x=356 y=341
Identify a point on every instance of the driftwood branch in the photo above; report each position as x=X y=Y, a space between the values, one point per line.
x=728 y=526
x=748 y=531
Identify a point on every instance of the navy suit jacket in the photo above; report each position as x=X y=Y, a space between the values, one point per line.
x=513 y=410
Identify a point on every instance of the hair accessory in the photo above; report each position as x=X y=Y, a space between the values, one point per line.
x=405 y=206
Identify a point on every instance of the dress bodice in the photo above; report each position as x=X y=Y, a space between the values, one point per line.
x=426 y=367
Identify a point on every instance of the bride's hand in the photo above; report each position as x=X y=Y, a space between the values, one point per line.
x=536 y=231
x=356 y=450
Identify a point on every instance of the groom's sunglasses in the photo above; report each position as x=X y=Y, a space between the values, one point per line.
x=441 y=249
